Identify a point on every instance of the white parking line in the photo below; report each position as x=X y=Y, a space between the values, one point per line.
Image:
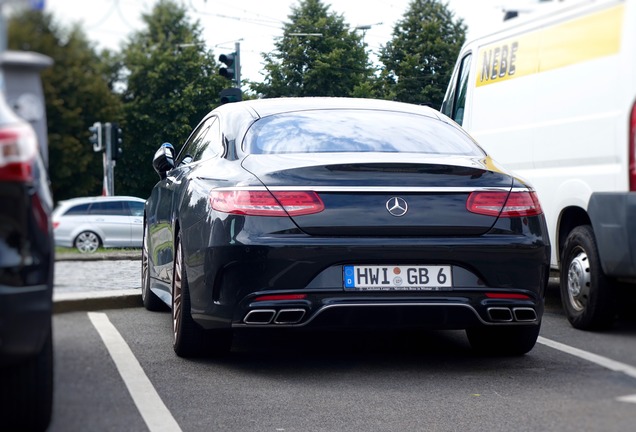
x=150 y=406
x=594 y=358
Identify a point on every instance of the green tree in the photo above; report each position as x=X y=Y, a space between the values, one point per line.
x=77 y=94
x=419 y=59
x=318 y=55
x=171 y=83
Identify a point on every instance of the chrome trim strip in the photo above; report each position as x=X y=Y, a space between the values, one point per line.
x=371 y=189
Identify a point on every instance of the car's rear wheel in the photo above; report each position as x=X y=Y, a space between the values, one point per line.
x=586 y=293
x=87 y=242
x=149 y=299
x=189 y=338
x=26 y=392
x=505 y=340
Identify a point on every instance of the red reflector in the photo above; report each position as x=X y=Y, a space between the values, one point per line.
x=508 y=296
x=281 y=297
x=265 y=203
x=56 y=224
x=504 y=204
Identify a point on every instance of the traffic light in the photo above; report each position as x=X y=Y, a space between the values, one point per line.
x=230 y=95
x=116 y=141
x=96 y=136
x=229 y=71
x=232 y=62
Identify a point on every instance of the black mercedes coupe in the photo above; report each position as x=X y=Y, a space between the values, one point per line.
x=337 y=213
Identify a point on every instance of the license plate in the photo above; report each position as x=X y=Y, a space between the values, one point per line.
x=397 y=278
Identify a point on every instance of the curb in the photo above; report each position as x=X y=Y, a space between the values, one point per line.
x=96 y=300
x=99 y=256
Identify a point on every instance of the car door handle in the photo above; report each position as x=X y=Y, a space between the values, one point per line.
x=99 y=220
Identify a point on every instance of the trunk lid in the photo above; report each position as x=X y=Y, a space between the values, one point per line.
x=387 y=194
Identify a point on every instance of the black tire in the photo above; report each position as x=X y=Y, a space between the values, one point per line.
x=26 y=392
x=587 y=294
x=503 y=341
x=150 y=300
x=189 y=338
x=87 y=242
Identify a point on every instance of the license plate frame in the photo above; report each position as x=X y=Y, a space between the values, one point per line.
x=397 y=277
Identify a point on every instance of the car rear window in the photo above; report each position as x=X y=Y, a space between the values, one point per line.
x=356 y=131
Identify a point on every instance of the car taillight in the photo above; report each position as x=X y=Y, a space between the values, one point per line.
x=265 y=203
x=632 y=150
x=18 y=147
x=504 y=204
x=56 y=224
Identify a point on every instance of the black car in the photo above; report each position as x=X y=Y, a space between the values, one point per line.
x=26 y=278
x=336 y=213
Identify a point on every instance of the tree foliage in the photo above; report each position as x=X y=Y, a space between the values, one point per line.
x=171 y=83
x=305 y=64
x=419 y=59
x=77 y=95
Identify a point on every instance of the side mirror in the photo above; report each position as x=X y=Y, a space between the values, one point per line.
x=163 y=161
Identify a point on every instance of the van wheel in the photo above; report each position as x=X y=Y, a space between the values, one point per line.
x=87 y=242
x=586 y=293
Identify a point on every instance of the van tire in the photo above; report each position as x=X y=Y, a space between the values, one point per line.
x=587 y=294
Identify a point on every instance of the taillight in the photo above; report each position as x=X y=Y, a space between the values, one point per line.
x=632 y=150
x=504 y=204
x=265 y=203
x=18 y=147
x=56 y=224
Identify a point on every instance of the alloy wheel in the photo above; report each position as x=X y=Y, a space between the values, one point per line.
x=87 y=242
x=177 y=292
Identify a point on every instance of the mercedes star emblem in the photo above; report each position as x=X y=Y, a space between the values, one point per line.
x=397 y=206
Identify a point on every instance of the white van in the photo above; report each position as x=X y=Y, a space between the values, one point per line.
x=552 y=97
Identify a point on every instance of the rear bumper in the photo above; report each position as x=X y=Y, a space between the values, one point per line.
x=226 y=280
x=613 y=217
x=25 y=321
x=385 y=312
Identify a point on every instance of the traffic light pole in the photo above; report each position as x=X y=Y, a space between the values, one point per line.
x=109 y=163
x=237 y=72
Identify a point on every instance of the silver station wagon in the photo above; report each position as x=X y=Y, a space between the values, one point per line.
x=88 y=223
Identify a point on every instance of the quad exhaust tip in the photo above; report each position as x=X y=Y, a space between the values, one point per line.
x=271 y=316
x=289 y=316
x=524 y=314
x=500 y=314
x=519 y=314
x=259 y=316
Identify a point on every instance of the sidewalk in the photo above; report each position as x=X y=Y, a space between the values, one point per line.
x=103 y=280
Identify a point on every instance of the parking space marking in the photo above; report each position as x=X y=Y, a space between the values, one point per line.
x=591 y=357
x=150 y=406
x=594 y=358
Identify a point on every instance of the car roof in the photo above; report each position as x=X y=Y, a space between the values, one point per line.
x=266 y=107
x=80 y=200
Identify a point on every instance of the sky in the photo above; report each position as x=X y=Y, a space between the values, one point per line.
x=256 y=23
